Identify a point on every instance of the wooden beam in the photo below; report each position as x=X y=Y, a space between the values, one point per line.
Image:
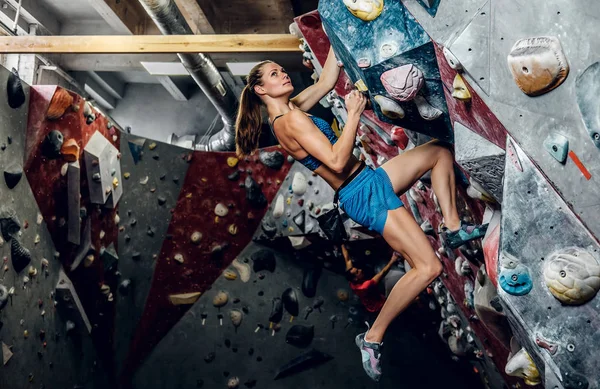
x=125 y=17
x=195 y=16
x=150 y=44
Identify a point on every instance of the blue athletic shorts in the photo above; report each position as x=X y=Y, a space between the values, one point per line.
x=368 y=198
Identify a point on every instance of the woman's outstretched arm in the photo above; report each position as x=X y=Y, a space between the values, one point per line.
x=329 y=76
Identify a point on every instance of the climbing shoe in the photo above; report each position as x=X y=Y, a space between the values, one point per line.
x=371 y=353
x=465 y=233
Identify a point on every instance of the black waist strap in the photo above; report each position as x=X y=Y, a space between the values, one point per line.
x=348 y=180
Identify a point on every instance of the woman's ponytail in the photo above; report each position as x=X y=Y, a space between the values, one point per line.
x=248 y=125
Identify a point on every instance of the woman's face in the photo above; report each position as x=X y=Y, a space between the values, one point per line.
x=276 y=82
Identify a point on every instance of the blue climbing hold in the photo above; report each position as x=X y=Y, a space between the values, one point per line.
x=514 y=278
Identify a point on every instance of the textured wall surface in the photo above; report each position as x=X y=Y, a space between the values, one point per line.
x=47 y=356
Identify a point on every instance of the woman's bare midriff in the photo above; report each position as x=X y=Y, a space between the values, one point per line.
x=335 y=180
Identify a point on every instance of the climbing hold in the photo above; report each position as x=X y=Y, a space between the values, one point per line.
x=427 y=228
x=416 y=196
x=220 y=299
x=6 y=354
x=70 y=150
x=310 y=279
x=52 y=144
x=521 y=365
x=254 y=193
x=279 y=207
x=3 y=296
x=20 y=255
x=300 y=336
x=236 y=317
x=305 y=361
x=403 y=82
x=451 y=59
x=558 y=146
x=538 y=65
x=364 y=63
x=461 y=266
x=221 y=210
x=229 y=275
x=388 y=49
x=233 y=383
x=12 y=176
x=342 y=295
x=88 y=113
x=468 y=289
x=299 y=184
x=232 y=229
x=572 y=275
x=243 y=269
x=460 y=90
x=60 y=102
x=366 y=10
x=426 y=110
x=14 y=89
x=514 y=277
x=268 y=226
x=196 y=237
x=399 y=137
x=290 y=301
x=389 y=107
x=299 y=219
x=232 y=161
x=178 y=258
x=272 y=159
x=276 y=310
x=263 y=260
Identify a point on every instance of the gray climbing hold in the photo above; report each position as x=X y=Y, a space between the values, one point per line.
x=272 y=159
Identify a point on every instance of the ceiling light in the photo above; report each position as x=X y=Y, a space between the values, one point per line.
x=240 y=68
x=165 y=68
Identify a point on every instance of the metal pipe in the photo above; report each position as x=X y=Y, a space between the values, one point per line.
x=170 y=21
x=16 y=22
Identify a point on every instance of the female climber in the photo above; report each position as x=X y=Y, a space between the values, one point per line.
x=369 y=197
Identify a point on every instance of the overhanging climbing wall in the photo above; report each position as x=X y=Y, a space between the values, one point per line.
x=518 y=69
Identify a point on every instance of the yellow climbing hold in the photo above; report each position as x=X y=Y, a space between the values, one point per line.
x=460 y=90
x=126 y=175
x=289 y=200
x=232 y=161
x=361 y=86
x=188 y=196
x=115 y=182
x=152 y=146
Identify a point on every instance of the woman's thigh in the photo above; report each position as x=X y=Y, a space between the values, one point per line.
x=405 y=169
x=405 y=236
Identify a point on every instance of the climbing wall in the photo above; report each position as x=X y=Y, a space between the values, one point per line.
x=45 y=341
x=518 y=90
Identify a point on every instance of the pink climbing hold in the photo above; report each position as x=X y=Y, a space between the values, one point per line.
x=399 y=137
x=404 y=82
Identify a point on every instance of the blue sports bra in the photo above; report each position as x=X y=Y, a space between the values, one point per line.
x=309 y=161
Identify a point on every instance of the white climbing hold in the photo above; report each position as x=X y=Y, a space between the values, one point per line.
x=416 y=196
x=6 y=354
x=426 y=110
x=521 y=365
x=299 y=184
x=243 y=269
x=389 y=107
x=452 y=60
x=221 y=210
x=279 y=207
x=572 y=275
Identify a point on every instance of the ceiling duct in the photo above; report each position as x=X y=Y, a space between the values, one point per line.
x=170 y=21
